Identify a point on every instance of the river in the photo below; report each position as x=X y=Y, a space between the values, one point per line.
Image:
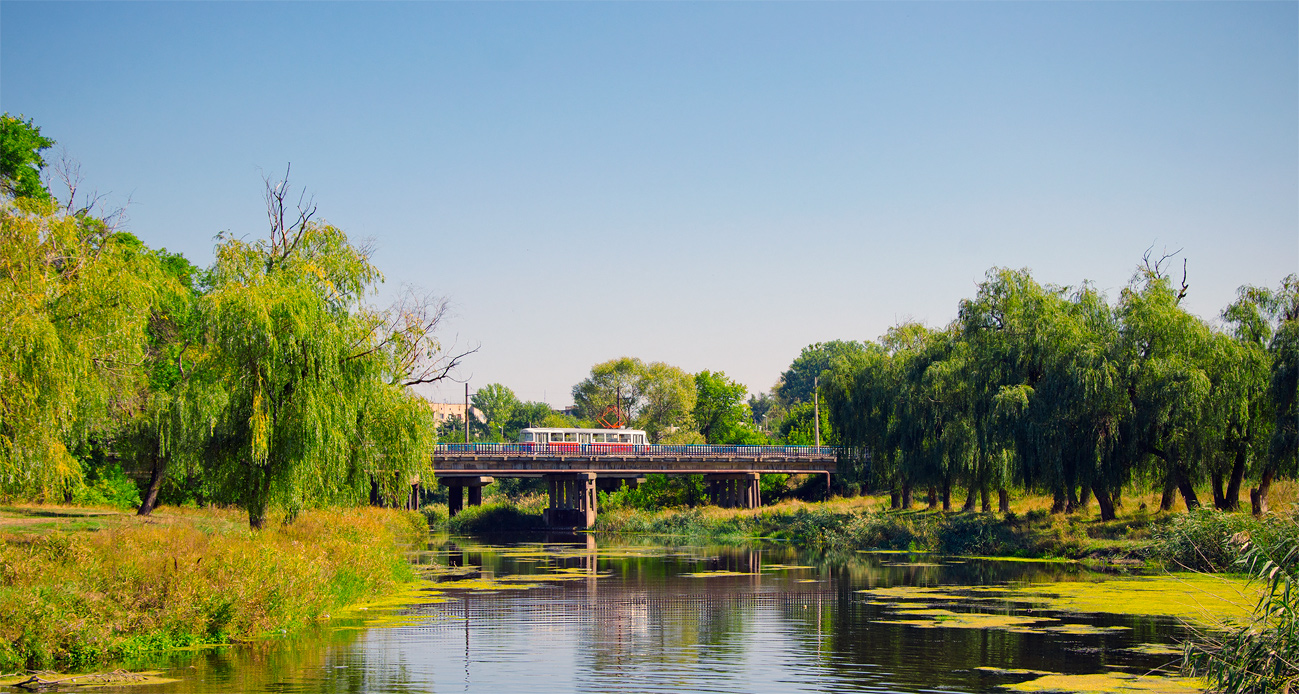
x=569 y=613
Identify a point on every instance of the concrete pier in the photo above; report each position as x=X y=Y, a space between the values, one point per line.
x=572 y=499
x=456 y=491
x=734 y=490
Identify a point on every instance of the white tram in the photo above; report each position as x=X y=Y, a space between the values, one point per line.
x=565 y=438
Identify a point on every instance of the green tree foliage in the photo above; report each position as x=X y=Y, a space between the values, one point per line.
x=720 y=413
x=76 y=301
x=498 y=404
x=316 y=410
x=612 y=389
x=796 y=384
x=1053 y=389
x=655 y=396
x=21 y=144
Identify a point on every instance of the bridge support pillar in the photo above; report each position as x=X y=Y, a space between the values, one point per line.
x=572 y=499
x=456 y=491
x=734 y=490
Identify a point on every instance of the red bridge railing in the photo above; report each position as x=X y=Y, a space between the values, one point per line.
x=530 y=450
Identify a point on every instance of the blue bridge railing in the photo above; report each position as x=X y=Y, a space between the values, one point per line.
x=525 y=450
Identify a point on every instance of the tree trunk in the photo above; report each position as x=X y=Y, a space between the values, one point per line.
x=1188 y=492
x=1233 y=485
x=1057 y=503
x=1170 y=492
x=1105 y=502
x=906 y=495
x=947 y=495
x=1072 y=499
x=257 y=500
x=1258 y=495
x=933 y=497
x=895 y=499
x=985 y=498
x=1085 y=497
x=1219 y=496
x=1003 y=500
x=155 y=483
x=970 y=500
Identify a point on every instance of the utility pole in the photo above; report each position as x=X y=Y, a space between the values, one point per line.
x=816 y=406
x=466 y=412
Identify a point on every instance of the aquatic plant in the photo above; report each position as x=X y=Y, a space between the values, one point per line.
x=1262 y=656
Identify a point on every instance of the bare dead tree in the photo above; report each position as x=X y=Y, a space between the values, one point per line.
x=286 y=230
x=1154 y=269
x=67 y=170
x=407 y=332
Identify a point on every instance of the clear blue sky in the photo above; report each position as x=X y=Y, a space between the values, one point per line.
x=715 y=185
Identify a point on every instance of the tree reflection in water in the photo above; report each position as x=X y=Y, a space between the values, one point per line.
x=633 y=616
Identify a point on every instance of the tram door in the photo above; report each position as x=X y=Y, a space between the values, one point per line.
x=584 y=439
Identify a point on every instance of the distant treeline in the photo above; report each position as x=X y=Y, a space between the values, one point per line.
x=1056 y=390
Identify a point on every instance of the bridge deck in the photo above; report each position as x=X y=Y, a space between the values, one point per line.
x=526 y=460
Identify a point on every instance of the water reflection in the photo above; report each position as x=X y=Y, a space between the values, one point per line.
x=612 y=614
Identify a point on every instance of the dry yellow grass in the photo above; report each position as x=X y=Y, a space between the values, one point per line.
x=72 y=595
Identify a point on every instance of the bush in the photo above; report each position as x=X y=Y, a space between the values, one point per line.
x=107 y=486
x=1201 y=540
x=494 y=518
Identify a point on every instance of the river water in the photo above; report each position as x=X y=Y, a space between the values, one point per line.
x=590 y=613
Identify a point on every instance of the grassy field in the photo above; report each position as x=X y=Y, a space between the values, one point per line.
x=81 y=587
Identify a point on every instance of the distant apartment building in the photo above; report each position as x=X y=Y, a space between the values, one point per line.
x=445 y=411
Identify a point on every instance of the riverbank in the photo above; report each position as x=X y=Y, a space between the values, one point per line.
x=83 y=587
x=1196 y=540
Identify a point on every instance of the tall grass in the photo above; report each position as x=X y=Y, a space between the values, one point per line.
x=76 y=600
x=1262 y=656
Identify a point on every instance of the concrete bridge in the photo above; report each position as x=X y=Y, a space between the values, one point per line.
x=574 y=472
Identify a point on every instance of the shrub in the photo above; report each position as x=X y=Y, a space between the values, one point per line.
x=107 y=486
x=494 y=517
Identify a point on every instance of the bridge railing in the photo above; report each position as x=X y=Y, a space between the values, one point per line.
x=524 y=450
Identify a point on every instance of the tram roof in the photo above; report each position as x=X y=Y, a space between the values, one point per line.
x=584 y=431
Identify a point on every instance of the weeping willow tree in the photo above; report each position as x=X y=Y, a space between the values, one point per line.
x=316 y=412
x=75 y=302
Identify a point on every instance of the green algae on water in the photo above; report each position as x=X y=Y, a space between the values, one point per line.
x=91 y=680
x=1208 y=599
x=1110 y=683
x=941 y=618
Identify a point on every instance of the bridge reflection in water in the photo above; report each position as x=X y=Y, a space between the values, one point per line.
x=575 y=472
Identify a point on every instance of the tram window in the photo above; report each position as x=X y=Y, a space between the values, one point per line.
x=569 y=436
x=597 y=438
x=527 y=437
x=556 y=437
